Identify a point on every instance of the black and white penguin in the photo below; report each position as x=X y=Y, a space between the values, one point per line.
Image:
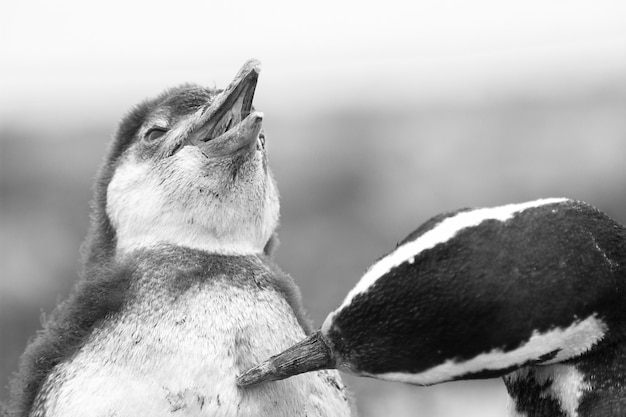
x=533 y=292
x=178 y=293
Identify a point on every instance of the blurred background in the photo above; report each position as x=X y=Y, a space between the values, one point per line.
x=378 y=116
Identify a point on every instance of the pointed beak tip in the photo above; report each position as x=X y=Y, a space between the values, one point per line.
x=253 y=376
x=311 y=354
x=251 y=67
x=255 y=65
x=246 y=379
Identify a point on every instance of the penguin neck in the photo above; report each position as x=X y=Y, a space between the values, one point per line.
x=183 y=235
x=148 y=208
x=591 y=386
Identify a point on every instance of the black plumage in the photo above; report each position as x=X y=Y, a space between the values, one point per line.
x=534 y=293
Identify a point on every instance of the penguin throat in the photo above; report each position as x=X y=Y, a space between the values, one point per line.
x=187 y=236
x=146 y=213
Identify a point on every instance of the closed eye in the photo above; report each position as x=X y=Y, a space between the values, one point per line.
x=154 y=133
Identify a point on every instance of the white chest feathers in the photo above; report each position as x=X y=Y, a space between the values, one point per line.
x=182 y=361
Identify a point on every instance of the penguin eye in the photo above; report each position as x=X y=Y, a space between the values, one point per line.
x=154 y=133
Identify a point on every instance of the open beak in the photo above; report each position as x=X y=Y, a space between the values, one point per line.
x=228 y=124
x=311 y=354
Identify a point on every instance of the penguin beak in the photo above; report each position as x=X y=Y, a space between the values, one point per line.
x=311 y=354
x=228 y=124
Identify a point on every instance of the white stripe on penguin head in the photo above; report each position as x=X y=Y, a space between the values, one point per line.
x=440 y=233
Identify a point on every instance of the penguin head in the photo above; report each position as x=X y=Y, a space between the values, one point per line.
x=476 y=293
x=189 y=167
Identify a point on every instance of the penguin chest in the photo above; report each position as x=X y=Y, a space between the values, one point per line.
x=180 y=356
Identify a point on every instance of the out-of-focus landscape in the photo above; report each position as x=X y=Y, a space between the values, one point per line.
x=364 y=148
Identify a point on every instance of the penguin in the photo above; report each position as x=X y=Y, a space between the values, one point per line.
x=534 y=293
x=178 y=291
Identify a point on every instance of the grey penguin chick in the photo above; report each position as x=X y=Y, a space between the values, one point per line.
x=178 y=293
